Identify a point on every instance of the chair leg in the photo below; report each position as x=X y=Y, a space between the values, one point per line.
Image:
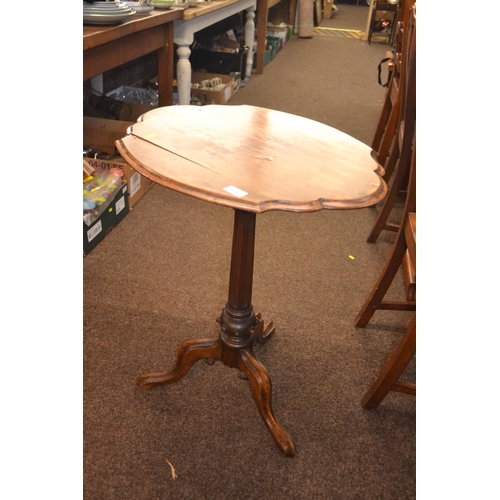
x=384 y=281
x=389 y=135
x=382 y=123
x=393 y=369
x=394 y=190
x=383 y=215
x=391 y=164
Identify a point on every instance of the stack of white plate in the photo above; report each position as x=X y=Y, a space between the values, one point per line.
x=140 y=6
x=108 y=12
x=163 y=4
x=197 y=3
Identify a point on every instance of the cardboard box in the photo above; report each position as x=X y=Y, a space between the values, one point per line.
x=101 y=134
x=278 y=32
x=115 y=212
x=283 y=27
x=219 y=96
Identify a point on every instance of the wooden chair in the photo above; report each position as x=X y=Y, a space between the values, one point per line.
x=405 y=244
x=387 y=123
x=404 y=134
x=405 y=31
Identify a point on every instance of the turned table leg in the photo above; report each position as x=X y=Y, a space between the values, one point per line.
x=183 y=72
x=250 y=40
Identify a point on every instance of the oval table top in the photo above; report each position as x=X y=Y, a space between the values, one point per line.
x=253 y=159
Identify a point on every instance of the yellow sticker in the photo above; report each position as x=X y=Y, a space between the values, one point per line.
x=351 y=257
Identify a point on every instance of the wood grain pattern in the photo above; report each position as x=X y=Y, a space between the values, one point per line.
x=107 y=47
x=93 y=36
x=283 y=161
x=206 y=8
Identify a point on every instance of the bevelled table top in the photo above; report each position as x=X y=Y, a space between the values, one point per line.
x=253 y=159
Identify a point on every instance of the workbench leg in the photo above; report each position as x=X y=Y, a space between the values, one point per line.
x=249 y=40
x=183 y=72
x=165 y=57
x=261 y=35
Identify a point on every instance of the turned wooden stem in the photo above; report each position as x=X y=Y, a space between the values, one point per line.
x=238 y=317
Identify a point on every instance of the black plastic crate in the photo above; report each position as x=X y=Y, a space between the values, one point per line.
x=219 y=62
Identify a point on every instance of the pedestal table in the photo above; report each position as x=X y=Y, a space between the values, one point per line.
x=252 y=160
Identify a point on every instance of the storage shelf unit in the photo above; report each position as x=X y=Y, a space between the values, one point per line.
x=382 y=7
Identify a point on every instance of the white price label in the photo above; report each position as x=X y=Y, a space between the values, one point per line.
x=135 y=183
x=239 y=193
x=93 y=232
x=120 y=205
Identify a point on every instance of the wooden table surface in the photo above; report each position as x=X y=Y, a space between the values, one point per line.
x=205 y=8
x=107 y=47
x=253 y=159
x=94 y=36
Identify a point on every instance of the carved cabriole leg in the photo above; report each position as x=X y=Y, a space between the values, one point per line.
x=183 y=72
x=249 y=39
x=260 y=383
x=188 y=354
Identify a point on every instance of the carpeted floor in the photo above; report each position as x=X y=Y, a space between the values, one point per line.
x=160 y=277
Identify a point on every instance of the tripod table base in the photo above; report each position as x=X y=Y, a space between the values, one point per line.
x=244 y=360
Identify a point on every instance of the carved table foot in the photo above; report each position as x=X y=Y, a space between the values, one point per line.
x=188 y=354
x=262 y=333
x=260 y=383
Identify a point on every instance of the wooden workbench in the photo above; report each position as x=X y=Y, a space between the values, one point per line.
x=107 y=47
